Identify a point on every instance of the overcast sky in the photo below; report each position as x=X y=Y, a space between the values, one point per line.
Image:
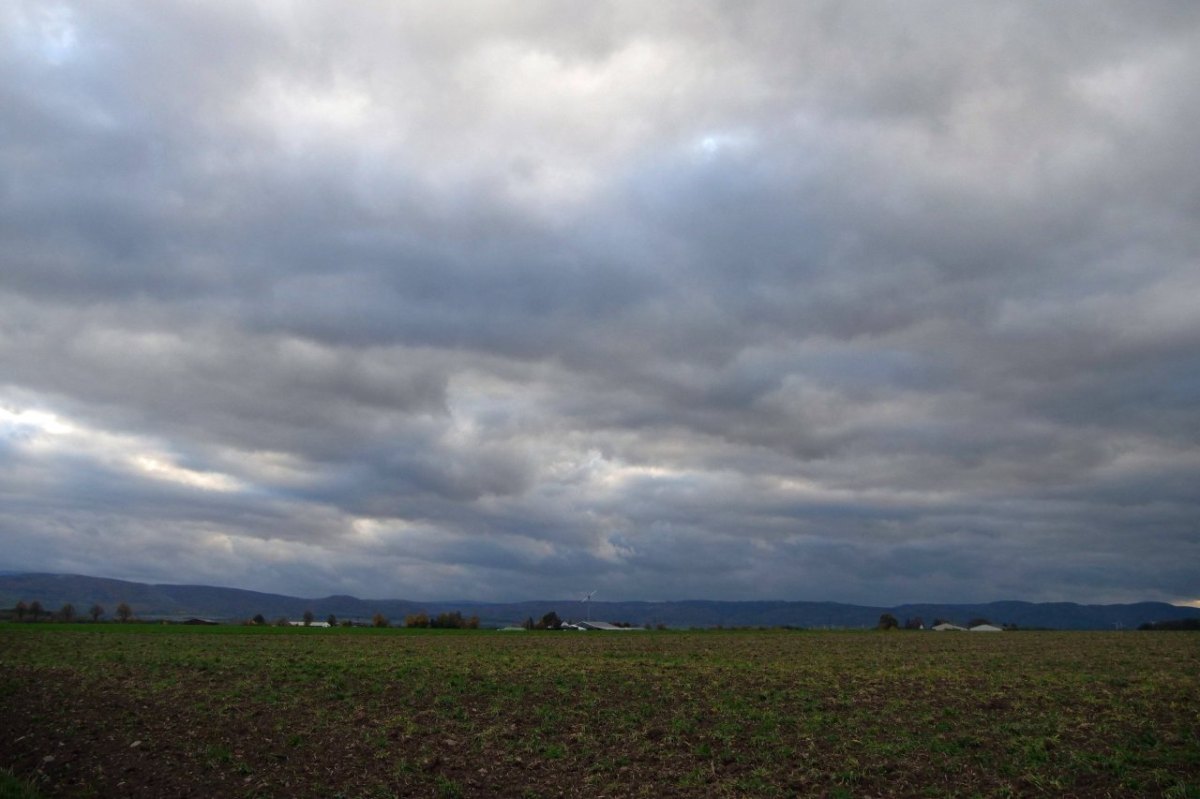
x=872 y=303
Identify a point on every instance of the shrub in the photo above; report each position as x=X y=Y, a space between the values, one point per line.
x=448 y=621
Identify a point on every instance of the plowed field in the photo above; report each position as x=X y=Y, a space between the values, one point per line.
x=115 y=710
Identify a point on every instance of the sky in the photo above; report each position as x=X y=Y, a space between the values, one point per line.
x=861 y=302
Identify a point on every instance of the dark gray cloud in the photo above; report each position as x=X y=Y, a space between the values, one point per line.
x=755 y=300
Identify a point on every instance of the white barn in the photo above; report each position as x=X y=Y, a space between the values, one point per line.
x=602 y=625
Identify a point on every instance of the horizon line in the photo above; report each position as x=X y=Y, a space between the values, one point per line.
x=1195 y=603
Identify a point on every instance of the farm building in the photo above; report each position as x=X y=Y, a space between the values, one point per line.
x=944 y=626
x=310 y=624
x=603 y=625
x=986 y=628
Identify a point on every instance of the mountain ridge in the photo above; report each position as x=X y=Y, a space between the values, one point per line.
x=171 y=601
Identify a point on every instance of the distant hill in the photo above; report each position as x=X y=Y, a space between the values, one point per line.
x=233 y=604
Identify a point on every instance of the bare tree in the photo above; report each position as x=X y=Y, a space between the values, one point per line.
x=379 y=620
x=21 y=609
x=35 y=610
x=331 y=620
x=124 y=612
x=67 y=612
x=308 y=618
x=96 y=612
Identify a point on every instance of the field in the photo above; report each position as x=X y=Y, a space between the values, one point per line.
x=112 y=710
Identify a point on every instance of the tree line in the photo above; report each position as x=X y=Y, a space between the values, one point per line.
x=1171 y=624
x=889 y=622
x=443 y=621
x=34 y=612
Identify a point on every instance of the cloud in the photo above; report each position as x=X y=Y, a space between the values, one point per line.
x=769 y=301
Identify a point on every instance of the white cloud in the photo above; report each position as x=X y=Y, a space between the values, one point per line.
x=45 y=436
x=420 y=301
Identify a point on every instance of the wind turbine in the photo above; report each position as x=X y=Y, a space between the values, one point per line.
x=587 y=601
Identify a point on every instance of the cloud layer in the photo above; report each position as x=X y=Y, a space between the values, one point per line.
x=828 y=301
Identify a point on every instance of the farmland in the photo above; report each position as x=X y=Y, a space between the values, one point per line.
x=140 y=710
